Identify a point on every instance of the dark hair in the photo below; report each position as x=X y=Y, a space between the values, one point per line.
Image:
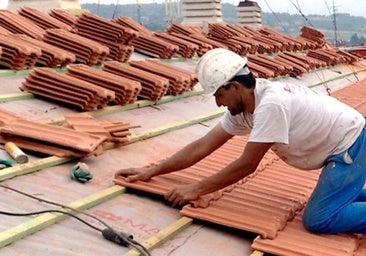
x=246 y=80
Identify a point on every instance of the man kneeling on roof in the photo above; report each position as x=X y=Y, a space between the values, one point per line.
x=305 y=129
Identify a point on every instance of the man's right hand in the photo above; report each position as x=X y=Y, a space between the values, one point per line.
x=134 y=174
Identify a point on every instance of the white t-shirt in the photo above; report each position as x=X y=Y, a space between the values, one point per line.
x=306 y=127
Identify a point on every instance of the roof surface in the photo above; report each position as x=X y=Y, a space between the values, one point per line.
x=164 y=128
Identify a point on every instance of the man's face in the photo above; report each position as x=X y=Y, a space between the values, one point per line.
x=231 y=97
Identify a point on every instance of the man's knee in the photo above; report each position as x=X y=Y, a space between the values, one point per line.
x=314 y=223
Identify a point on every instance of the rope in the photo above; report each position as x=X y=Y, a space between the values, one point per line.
x=303 y=15
x=274 y=14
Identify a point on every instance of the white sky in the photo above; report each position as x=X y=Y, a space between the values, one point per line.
x=353 y=7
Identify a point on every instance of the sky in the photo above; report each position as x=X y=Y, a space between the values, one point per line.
x=353 y=7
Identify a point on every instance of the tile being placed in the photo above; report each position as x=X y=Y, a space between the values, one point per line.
x=162 y=184
x=261 y=203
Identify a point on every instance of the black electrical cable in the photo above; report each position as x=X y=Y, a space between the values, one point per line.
x=112 y=235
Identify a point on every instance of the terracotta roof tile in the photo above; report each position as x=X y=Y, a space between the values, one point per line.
x=86 y=51
x=28 y=134
x=295 y=240
x=153 y=86
x=63 y=16
x=179 y=82
x=126 y=90
x=51 y=56
x=202 y=46
x=42 y=19
x=50 y=84
x=154 y=46
x=16 y=54
x=113 y=131
x=186 y=48
x=132 y=24
x=15 y=23
x=7 y=117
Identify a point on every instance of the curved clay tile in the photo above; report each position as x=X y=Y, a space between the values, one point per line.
x=42 y=19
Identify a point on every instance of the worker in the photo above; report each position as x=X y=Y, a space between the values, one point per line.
x=306 y=129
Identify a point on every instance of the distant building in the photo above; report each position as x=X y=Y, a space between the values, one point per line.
x=248 y=13
x=44 y=5
x=198 y=12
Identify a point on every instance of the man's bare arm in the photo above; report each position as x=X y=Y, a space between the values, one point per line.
x=186 y=157
x=235 y=171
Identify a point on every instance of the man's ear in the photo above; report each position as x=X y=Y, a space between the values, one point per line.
x=236 y=85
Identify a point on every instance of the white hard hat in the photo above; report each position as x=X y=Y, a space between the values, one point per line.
x=218 y=66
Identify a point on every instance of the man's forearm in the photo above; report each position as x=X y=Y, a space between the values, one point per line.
x=231 y=174
x=184 y=158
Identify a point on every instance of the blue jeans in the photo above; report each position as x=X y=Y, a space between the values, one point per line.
x=338 y=202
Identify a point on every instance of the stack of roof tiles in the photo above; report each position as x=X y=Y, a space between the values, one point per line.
x=179 y=80
x=111 y=34
x=82 y=136
x=63 y=16
x=18 y=54
x=184 y=32
x=313 y=35
x=126 y=90
x=154 y=87
x=60 y=87
x=42 y=19
x=51 y=56
x=86 y=50
x=185 y=48
x=18 y=24
x=60 y=141
x=147 y=42
x=114 y=131
x=98 y=39
x=23 y=47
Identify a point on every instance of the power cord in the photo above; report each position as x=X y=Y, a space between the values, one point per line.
x=108 y=233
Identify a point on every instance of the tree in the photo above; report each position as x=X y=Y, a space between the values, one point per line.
x=354 y=39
